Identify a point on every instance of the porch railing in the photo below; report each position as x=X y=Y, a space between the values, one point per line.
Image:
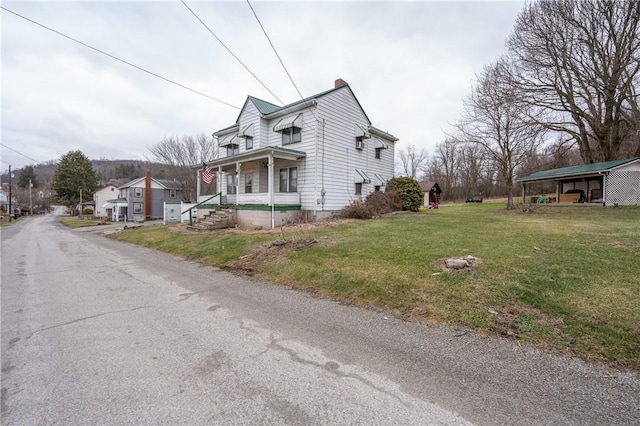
x=190 y=209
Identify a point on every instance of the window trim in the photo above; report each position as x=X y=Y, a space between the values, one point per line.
x=247 y=145
x=379 y=153
x=358 y=188
x=138 y=192
x=135 y=210
x=172 y=193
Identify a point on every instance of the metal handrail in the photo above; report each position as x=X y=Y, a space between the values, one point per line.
x=199 y=204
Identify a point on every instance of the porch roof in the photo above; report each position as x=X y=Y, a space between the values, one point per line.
x=278 y=152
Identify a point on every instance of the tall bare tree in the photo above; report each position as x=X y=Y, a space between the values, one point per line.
x=180 y=154
x=580 y=61
x=412 y=160
x=496 y=119
x=448 y=159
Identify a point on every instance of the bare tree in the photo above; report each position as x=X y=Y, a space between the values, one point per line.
x=447 y=153
x=580 y=61
x=412 y=160
x=495 y=119
x=181 y=154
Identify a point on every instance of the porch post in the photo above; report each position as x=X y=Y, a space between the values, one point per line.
x=271 y=179
x=219 y=184
x=558 y=191
x=524 y=193
x=198 y=177
x=237 y=182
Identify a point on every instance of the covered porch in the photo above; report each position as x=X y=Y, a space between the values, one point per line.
x=266 y=180
x=116 y=209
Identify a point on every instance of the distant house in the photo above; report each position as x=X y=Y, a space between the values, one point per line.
x=609 y=183
x=101 y=197
x=431 y=192
x=308 y=159
x=143 y=198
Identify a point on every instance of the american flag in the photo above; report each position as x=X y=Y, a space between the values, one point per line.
x=207 y=174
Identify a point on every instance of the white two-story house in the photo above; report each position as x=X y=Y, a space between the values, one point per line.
x=306 y=160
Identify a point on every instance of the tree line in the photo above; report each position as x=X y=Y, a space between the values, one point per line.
x=564 y=92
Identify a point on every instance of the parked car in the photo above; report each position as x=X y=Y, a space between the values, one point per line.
x=474 y=199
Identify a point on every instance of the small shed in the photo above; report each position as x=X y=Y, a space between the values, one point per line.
x=609 y=183
x=431 y=192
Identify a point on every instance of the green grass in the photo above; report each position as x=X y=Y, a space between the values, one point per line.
x=76 y=222
x=565 y=278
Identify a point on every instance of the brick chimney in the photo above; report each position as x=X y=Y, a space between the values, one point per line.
x=147 y=195
x=340 y=82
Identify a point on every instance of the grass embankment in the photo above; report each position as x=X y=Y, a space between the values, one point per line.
x=564 y=278
x=77 y=222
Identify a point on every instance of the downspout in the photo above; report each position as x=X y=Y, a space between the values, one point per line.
x=323 y=192
x=315 y=173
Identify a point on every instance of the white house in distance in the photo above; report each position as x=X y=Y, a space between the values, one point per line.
x=305 y=160
x=101 y=197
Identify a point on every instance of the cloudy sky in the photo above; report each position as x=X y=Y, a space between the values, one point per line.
x=409 y=63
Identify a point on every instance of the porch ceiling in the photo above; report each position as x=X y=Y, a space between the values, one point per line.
x=258 y=154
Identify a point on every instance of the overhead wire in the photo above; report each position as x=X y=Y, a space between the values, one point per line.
x=229 y=50
x=278 y=56
x=274 y=49
x=118 y=59
x=18 y=152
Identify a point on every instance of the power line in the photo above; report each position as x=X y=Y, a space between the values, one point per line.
x=118 y=59
x=18 y=152
x=274 y=50
x=229 y=50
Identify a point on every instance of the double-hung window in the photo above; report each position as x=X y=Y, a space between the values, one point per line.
x=291 y=135
x=233 y=149
x=248 y=142
x=289 y=179
x=248 y=183
x=137 y=192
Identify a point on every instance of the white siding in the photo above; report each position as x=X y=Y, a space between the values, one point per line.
x=341 y=112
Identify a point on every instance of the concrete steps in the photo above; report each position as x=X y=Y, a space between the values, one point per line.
x=215 y=219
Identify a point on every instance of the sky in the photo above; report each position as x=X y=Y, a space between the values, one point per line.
x=410 y=64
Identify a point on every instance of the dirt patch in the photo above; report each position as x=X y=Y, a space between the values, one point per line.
x=512 y=321
x=275 y=252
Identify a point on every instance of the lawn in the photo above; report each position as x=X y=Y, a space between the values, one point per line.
x=566 y=278
x=77 y=222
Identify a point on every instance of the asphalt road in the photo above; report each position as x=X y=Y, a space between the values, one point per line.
x=95 y=331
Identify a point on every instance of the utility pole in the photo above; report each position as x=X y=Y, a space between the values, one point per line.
x=30 y=204
x=10 y=211
x=81 y=209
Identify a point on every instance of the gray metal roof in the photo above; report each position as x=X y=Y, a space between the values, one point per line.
x=583 y=170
